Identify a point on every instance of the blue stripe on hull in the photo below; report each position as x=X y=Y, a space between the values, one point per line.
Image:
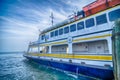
x=102 y=73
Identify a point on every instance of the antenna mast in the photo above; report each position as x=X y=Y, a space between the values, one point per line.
x=52 y=17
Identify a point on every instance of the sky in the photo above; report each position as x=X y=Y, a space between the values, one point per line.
x=21 y=20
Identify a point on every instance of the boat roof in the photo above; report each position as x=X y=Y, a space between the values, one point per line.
x=55 y=26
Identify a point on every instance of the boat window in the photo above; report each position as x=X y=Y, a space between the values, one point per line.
x=56 y=33
x=80 y=25
x=61 y=31
x=42 y=37
x=101 y=19
x=72 y=27
x=89 y=23
x=52 y=34
x=66 y=29
x=113 y=15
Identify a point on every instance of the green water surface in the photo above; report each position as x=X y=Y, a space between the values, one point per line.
x=13 y=66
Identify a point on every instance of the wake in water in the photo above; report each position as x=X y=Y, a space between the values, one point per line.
x=72 y=75
x=79 y=76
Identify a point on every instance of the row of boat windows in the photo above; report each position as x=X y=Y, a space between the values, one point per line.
x=101 y=19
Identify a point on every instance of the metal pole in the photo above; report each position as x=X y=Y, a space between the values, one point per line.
x=116 y=49
x=52 y=17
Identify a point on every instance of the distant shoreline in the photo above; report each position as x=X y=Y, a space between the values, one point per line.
x=12 y=52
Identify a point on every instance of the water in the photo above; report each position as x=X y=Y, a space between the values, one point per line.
x=15 y=67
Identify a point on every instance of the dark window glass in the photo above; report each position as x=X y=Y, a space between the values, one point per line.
x=43 y=36
x=80 y=25
x=52 y=34
x=101 y=19
x=60 y=31
x=113 y=15
x=72 y=27
x=89 y=23
x=66 y=30
x=56 y=33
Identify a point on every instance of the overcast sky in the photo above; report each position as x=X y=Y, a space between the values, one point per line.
x=20 y=20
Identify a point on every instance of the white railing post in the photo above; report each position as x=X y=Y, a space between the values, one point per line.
x=50 y=49
x=70 y=45
x=109 y=41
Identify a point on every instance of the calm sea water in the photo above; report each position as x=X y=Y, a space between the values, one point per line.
x=13 y=66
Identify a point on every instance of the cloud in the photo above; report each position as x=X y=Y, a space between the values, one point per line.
x=16 y=22
x=77 y=4
x=24 y=18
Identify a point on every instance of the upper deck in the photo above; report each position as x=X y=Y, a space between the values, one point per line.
x=97 y=25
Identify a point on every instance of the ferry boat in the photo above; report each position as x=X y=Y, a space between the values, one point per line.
x=80 y=44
